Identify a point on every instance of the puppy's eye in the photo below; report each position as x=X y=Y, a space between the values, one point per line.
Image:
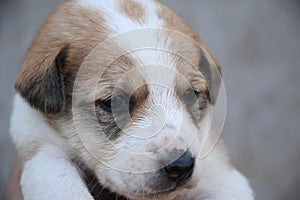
x=190 y=97
x=104 y=104
x=131 y=104
x=117 y=103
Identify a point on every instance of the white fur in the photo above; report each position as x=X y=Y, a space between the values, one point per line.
x=51 y=175
x=229 y=186
x=28 y=127
x=49 y=168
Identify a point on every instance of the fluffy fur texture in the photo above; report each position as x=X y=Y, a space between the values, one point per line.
x=119 y=88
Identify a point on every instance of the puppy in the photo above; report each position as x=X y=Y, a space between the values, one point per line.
x=122 y=89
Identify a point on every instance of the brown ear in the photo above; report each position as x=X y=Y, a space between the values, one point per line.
x=211 y=70
x=40 y=81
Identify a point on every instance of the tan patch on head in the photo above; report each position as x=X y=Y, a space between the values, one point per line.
x=189 y=48
x=132 y=9
x=118 y=74
x=119 y=67
x=175 y=22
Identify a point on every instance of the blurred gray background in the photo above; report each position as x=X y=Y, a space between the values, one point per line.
x=258 y=44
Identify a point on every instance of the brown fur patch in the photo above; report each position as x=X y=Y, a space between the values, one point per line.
x=175 y=22
x=120 y=74
x=132 y=9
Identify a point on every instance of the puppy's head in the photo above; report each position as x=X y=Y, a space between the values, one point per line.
x=130 y=86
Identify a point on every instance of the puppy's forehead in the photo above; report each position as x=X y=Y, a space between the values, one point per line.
x=126 y=15
x=169 y=57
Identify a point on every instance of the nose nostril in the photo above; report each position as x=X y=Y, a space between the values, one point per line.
x=181 y=168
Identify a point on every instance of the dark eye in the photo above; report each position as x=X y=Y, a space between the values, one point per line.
x=131 y=104
x=104 y=104
x=190 y=97
x=117 y=103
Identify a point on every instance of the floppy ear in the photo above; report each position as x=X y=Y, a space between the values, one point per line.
x=211 y=70
x=40 y=81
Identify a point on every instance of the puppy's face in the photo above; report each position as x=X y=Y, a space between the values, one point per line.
x=144 y=116
x=133 y=106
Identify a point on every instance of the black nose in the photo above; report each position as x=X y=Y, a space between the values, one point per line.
x=182 y=168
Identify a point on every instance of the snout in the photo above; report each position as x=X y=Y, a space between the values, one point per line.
x=177 y=171
x=180 y=170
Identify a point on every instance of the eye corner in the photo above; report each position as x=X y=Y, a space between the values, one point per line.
x=197 y=92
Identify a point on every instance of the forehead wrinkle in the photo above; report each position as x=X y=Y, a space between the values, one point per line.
x=117 y=69
x=124 y=74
